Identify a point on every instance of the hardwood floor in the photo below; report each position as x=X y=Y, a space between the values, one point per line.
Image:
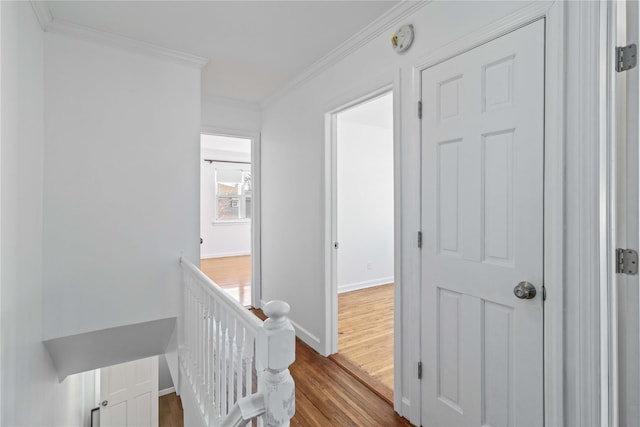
x=365 y=337
x=233 y=274
x=326 y=396
x=170 y=408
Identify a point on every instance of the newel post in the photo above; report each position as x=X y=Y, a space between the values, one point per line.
x=276 y=382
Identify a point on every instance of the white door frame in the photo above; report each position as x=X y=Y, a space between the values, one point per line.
x=256 y=206
x=374 y=88
x=621 y=92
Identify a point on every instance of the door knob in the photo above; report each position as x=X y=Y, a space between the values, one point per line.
x=524 y=290
x=105 y=403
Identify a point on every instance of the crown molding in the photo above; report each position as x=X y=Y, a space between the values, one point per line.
x=391 y=18
x=54 y=25
x=223 y=101
x=88 y=33
x=43 y=13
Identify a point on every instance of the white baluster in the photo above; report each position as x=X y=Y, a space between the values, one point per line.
x=209 y=357
x=218 y=357
x=248 y=362
x=224 y=357
x=229 y=359
x=240 y=337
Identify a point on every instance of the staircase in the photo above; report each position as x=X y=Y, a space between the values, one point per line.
x=229 y=367
x=233 y=366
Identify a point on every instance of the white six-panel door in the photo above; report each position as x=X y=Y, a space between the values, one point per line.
x=129 y=394
x=482 y=216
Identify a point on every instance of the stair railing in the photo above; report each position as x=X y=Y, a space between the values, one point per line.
x=236 y=365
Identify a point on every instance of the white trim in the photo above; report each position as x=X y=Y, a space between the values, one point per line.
x=607 y=178
x=166 y=391
x=225 y=222
x=582 y=256
x=111 y=39
x=486 y=34
x=306 y=336
x=399 y=399
x=223 y=101
x=554 y=211
x=256 y=219
x=369 y=89
x=392 y=17
x=256 y=204
x=356 y=286
x=224 y=255
x=230 y=132
x=366 y=92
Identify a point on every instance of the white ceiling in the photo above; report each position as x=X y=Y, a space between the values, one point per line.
x=254 y=47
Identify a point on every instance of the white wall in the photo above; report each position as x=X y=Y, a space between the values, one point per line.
x=220 y=239
x=293 y=155
x=220 y=113
x=121 y=198
x=365 y=201
x=30 y=392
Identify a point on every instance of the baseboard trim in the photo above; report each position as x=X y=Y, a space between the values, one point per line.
x=363 y=285
x=224 y=255
x=306 y=336
x=166 y=391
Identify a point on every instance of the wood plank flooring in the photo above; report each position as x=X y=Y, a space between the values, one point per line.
x=326 y=396
x=170 y=408
x=365 y=337
x=233 y=274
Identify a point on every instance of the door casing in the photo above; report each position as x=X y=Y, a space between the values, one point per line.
x=256 y=253
x=368 y=90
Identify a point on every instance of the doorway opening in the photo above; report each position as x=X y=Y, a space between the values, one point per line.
x=364 y=241
x=226 y=212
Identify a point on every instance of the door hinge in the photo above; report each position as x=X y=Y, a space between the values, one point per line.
x=419 y=109
x=544 y=293
x=626 y=261
x=626 y=57
x=419 y=370
x=419 y=239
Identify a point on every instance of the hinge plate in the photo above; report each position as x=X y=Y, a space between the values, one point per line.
x=626 y=261
x=626 y=57
x=419 y=109
x=419 y=239
x=419 y=370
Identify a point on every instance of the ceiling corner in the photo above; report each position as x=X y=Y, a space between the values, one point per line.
x=43 y=13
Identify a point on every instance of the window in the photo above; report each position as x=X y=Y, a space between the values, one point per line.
x=233 y=193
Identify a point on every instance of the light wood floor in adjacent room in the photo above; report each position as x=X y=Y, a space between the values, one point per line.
x=233 y=274
x=365 y=337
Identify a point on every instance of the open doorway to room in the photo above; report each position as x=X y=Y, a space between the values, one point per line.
x=364 y=230
x=226 y=211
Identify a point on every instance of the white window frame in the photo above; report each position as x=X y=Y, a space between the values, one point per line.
x=245 y=170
